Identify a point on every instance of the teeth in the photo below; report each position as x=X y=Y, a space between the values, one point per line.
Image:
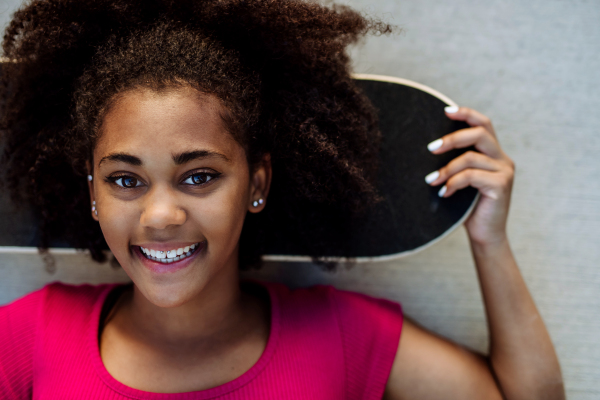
x=169 y=256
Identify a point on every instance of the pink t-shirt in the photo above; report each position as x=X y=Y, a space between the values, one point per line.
x=323 y=343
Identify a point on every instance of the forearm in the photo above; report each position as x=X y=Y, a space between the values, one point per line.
x=521 y=353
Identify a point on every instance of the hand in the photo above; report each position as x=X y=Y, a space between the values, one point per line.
x=490 y=170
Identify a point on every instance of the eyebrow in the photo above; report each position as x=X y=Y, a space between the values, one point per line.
x=188 y=156
x=121 y=157
x=178 y=159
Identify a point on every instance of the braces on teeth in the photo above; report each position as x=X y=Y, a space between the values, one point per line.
x=169 y=256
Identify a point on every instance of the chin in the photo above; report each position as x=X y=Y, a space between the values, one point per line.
x=168 y=295
x=168 y=287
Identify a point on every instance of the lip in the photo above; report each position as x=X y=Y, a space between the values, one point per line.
x=160 y=268
x=165 y=246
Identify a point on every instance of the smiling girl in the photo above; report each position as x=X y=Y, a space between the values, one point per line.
x=170 y=132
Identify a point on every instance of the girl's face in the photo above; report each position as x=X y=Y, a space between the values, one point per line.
x=169 y=178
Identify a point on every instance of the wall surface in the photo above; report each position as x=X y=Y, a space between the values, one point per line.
x=534 y=68
x=7 y=7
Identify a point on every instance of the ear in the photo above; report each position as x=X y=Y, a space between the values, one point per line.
x=260 y=182
x=88 y=167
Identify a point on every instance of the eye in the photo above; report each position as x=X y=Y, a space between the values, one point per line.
x=125 y=181
x=200 y=178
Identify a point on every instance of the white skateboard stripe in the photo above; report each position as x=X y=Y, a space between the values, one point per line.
x=406 y=82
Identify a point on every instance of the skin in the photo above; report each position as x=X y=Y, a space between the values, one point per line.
x=195 y=328
x=522 y=363
x=196 y=322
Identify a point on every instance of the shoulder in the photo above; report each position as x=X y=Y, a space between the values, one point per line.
x=349 y=308
x=79 y=296
x=27 y=318
x=55 y=305
x=367 y=329
x=54 y=299
x=54 y=295
x=370 y=329
x=352 y=305
x=346 y=301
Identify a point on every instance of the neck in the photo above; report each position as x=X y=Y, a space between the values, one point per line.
x=215 y=309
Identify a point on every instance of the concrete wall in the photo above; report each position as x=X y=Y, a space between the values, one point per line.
x=534 y=68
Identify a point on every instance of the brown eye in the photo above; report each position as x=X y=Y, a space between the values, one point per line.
x=200 y=178
x=129 y=182
x=126 y=181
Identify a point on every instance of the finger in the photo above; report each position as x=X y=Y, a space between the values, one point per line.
x=470 y=159
x=470 y=116
x=477 y=136
x=490 y=184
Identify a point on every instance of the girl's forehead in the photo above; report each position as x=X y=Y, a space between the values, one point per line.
x=167 y=122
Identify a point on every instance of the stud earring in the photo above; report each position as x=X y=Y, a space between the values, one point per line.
x=90 y=178
x=255 y=203
x=94 y=208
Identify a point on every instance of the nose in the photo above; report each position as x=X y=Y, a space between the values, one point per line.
x=161 y=210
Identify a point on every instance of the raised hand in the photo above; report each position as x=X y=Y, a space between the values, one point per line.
x=489 y=169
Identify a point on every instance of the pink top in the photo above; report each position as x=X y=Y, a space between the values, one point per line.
x=323 y=343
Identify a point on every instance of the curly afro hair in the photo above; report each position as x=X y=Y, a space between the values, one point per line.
x=279 y=68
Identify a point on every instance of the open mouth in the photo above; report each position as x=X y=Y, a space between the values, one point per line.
x=169 y=256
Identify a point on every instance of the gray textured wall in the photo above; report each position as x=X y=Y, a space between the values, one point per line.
x=7 y=7
x=534 y=68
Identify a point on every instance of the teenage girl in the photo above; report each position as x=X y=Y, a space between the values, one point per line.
x=166 y=131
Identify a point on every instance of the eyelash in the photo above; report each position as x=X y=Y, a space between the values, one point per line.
x=212 y=176
x=113 y=179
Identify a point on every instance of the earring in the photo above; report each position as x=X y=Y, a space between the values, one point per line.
x=94 y=208
x=255 y=203
x=90 y=178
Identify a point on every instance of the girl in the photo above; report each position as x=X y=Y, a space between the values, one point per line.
x=162 y=130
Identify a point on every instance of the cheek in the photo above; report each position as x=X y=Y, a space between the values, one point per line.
x=117 y=222
x=222 y=217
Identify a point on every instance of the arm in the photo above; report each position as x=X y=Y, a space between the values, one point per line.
x=521 y=352
x=522 y=363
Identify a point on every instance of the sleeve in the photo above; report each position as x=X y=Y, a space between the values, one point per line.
x=18 y=325
x=370 y=330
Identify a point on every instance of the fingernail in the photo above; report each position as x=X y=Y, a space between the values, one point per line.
x=451 y=109
x=436 y=144
x=442 y=191
x=432 y=177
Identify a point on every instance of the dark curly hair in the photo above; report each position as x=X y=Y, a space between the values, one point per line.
x=279 y=68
